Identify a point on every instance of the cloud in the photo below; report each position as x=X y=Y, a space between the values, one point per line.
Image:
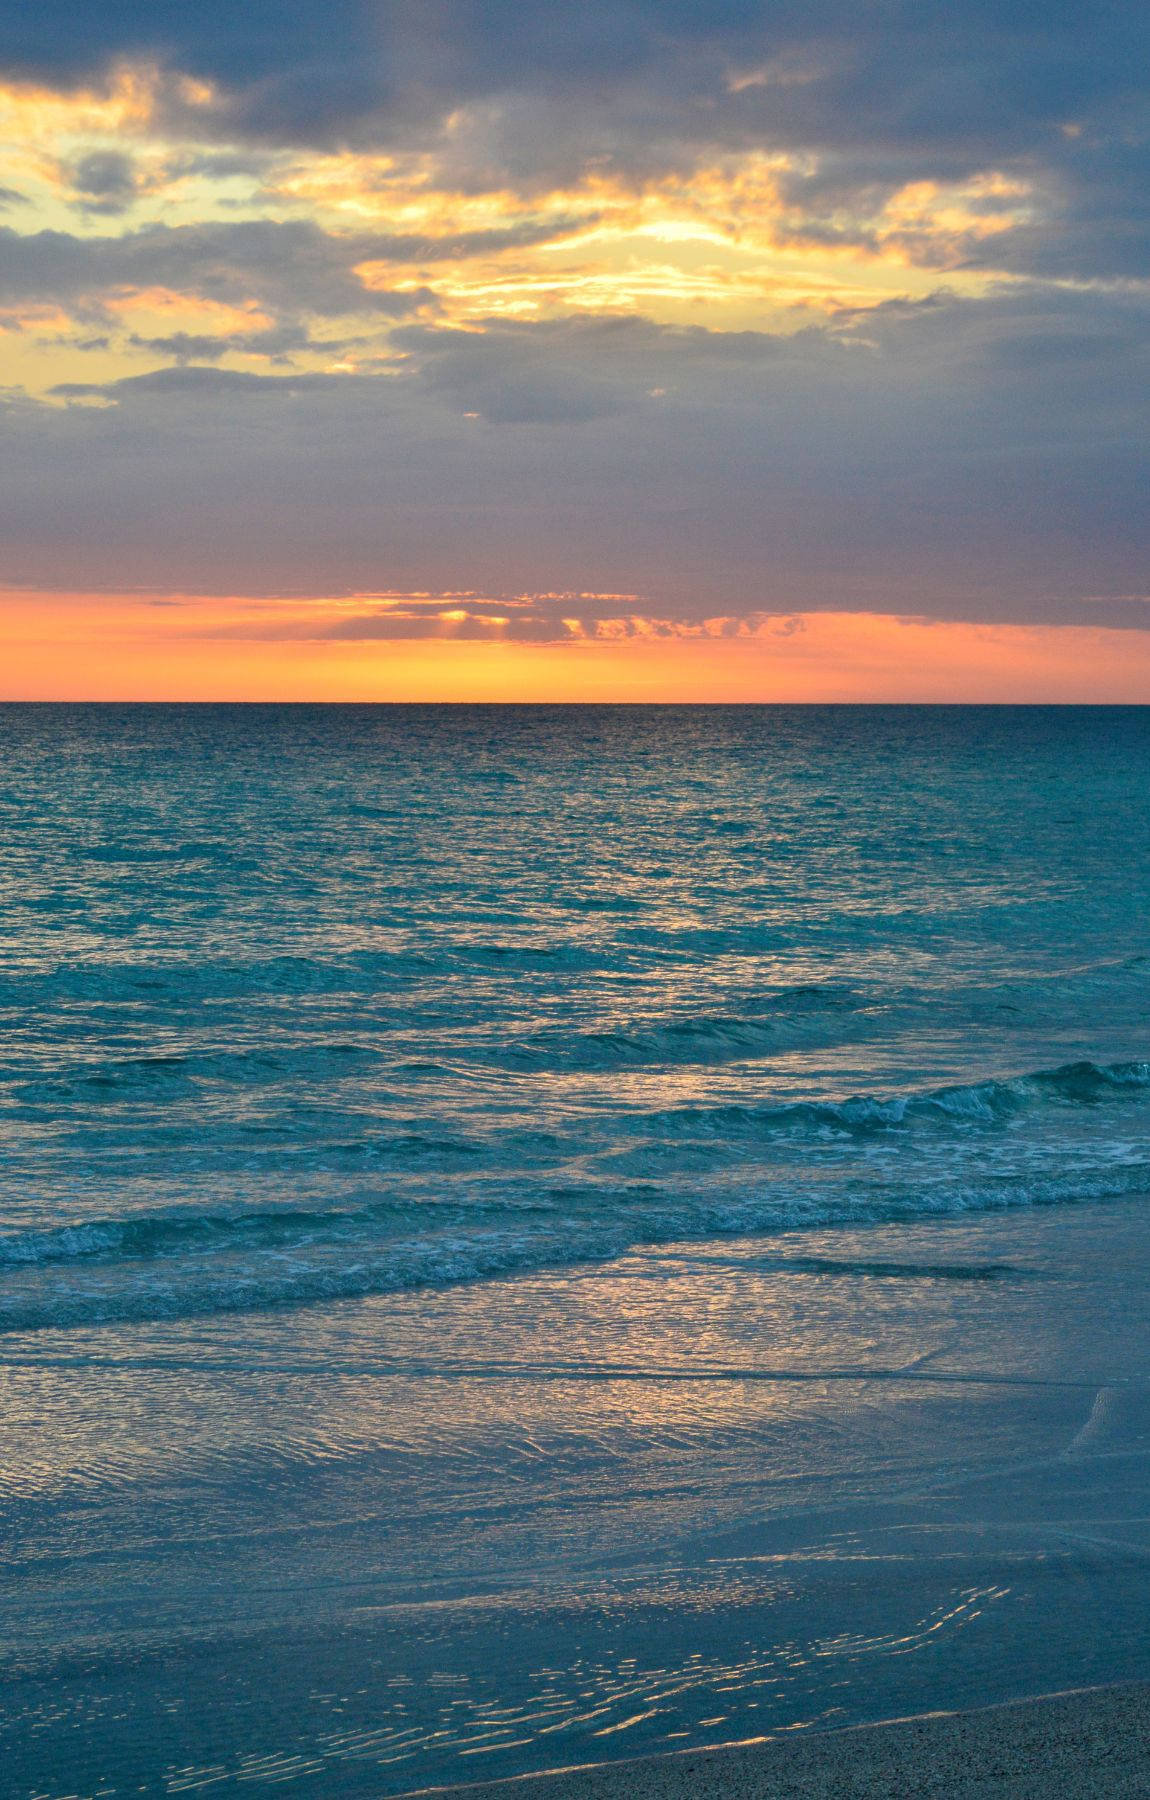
x=290 y=268
x=190 y=382
x=980 y=77
x=278 y=343
x=618 y=77
x=104 y=180
x=467 y=617
x=292 y=264
x=940 y=468
x=473 y=257
x=862 y=104
x=564 y=371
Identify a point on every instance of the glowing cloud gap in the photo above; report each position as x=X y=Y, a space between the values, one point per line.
x=700 y=320
x=196 y=648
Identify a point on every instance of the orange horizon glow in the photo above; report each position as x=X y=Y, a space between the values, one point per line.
x=74 y=647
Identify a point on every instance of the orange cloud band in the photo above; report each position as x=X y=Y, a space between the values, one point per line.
x=81 y=647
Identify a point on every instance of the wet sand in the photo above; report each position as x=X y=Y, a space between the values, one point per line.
x=1093 y=1742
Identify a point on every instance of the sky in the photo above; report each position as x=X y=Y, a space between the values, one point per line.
x=462 y=349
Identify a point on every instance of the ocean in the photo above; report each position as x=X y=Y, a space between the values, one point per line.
x=535 y=1234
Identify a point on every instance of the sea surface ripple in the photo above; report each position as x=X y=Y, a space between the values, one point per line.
x=309 y=1002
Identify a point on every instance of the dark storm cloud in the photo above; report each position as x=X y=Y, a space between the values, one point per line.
x=981 y=459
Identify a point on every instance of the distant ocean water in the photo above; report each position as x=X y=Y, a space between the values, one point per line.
x=530 y=1235
x=305 y=1002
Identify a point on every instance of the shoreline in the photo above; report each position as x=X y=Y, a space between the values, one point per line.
x=1080 y=1742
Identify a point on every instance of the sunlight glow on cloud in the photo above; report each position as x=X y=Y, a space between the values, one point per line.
x=719 y=241
x=403 y=647
x=757 y=317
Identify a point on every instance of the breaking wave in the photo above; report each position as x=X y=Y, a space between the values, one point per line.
x=947 y=1158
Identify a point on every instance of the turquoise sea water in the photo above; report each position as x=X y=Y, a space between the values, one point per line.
x=453 y=1154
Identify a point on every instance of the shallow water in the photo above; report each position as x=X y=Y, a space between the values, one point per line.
x=528 y=1235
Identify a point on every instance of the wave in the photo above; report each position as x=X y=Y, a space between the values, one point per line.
x=1074 y=1084
x=296 y=1266
x=788 y=1017
x=783 y=1020
x=186 y=1263
x=149 y=1236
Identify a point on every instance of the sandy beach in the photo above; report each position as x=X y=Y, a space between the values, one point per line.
x=1092 y=1742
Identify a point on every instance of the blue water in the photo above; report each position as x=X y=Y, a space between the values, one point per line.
x=303 y=1002
x=337 y=1032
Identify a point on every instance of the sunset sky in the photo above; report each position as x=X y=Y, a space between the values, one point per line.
x=392 y=349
